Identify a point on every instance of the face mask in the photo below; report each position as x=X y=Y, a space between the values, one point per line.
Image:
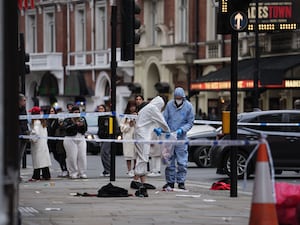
x=178 y=102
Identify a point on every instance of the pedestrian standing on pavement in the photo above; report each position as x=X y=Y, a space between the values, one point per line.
x=103 y=133
x=39 y=148
x=149 y=117
x=75 y=145
x=179 y=115
x=155 y=157
x=56 y=146
x=23 y=126
x=127 y=128
x=139 y=102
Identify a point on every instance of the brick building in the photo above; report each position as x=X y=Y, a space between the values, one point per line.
x=69 y=46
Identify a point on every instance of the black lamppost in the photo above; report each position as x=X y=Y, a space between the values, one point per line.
x=113 y=66
x=189 y=57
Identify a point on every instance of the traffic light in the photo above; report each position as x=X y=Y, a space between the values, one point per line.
x=129 y=36
x=223 y=17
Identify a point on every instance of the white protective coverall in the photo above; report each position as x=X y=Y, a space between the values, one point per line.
x=149 y=117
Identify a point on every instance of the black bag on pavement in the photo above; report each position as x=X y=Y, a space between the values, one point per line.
x=110 y=190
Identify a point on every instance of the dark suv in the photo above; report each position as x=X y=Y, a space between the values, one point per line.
x=284 y=141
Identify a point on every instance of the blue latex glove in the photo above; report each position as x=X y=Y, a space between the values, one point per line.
x=168 y=135
x=179 y=132
x=158 y=131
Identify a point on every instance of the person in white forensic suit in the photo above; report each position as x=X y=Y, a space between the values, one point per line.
x=148 y=118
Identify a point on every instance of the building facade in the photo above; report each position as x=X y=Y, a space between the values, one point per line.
x=70 y=52
x=69 y=42
x=171 y=28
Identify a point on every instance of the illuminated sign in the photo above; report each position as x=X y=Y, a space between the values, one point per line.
x=242 y=84
x=224 y=6
x=274 y=15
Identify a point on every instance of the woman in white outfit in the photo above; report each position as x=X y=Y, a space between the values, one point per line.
x=75 y=145
x=127 y=129
x=39 y=148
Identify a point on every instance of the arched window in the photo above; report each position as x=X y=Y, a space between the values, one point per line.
x=48 y=85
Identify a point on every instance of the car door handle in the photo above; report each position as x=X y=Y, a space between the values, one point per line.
x=291 y=139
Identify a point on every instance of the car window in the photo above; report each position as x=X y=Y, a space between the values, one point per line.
x=294 y=118
x=268 y=118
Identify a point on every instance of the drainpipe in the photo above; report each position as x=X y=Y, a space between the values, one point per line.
x=197 y=31
x=68 y=36
x=93 y=38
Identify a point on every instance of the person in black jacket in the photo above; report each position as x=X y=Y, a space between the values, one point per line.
x=56 y=146
x=75 y=145
x=23 y=126
x=103 y=133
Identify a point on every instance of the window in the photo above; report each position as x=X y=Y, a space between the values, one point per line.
x=153 y=22
x=268 y=118
x=181 y=21
x=211 y=20
x=107 y=89
x=31 y=33
x=49 y=30
x=153 y=18
x=295 y=118
x=101 y=28
x=80 y=29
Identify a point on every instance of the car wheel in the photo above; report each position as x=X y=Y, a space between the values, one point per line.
x=202 y=156
x=241 y=164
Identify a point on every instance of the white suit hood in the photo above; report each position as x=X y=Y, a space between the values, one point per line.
x=150 y=117
x=158 y=102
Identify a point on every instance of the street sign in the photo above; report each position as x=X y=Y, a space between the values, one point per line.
x=274 y=15
x=238 y=21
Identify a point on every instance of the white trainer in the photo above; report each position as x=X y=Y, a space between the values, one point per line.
x=83 y=176
x=130 y=173
x=154 y=174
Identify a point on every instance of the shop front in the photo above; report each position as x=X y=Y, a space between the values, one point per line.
x=278 y=84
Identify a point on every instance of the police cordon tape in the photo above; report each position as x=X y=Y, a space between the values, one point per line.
x=247 y=124
x=131 y=116
x=65 y=115
x=188 y=142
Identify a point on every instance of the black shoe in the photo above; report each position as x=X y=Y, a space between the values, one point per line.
x=181 y=186
x=135 y=184
x=142 y=192
x=168 y=186
x=149 y=186
x=106 y=174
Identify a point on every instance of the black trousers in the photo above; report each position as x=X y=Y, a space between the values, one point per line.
x=58 y=153
x=45 y=173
